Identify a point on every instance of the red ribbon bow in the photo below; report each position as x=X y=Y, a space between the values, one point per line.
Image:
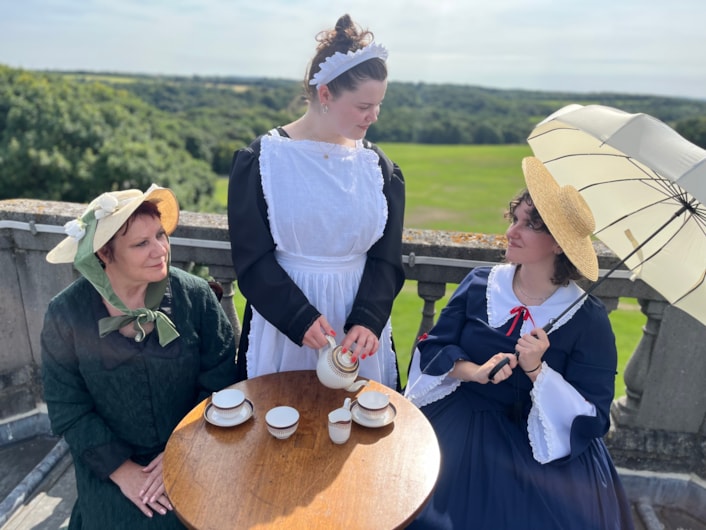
x=520 y=312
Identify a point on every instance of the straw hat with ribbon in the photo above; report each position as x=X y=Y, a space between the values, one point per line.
x=566 y=214
x=102 y=219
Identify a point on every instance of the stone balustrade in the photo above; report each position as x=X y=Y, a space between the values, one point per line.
x=659 y=425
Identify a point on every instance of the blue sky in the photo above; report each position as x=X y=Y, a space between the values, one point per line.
x=629 y=46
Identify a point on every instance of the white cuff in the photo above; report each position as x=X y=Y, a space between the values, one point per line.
x=423 y=389
x=555 y=405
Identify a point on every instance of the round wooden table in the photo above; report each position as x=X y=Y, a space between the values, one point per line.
x=220 y=478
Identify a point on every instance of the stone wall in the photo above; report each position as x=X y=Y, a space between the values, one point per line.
x=660 y=424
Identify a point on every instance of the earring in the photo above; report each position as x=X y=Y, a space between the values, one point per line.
x=324 y=109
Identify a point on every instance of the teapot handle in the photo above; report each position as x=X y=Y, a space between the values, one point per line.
x=331 y=341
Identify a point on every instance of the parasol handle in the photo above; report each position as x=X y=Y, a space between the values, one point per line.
x=499 y=366
x=506 y=360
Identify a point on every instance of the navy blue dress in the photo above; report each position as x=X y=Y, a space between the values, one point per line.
x=489 y=477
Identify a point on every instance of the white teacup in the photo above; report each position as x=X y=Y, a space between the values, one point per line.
x=372 y=405
x=228 y=403
x=339 y=423
x=282 y=422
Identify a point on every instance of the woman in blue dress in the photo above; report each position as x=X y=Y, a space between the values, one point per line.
x=524 y=449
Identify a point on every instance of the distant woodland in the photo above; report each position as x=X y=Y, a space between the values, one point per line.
x=71 y=135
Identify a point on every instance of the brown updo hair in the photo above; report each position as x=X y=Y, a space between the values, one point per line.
x=344 y=37
x=564 y=270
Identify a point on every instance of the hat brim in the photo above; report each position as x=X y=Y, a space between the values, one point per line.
x=566 y=214
x=129 y=201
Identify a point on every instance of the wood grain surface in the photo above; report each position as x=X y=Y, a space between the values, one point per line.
x=221 y=478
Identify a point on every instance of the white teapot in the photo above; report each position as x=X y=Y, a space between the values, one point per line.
x=336 y=369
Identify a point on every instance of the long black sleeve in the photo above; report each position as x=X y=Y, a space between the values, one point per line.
x=253 y=251
x=383 y=277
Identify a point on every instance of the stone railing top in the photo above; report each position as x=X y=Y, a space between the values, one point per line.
x=55 y=212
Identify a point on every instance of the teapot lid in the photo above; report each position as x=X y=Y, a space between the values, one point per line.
x=344 y=359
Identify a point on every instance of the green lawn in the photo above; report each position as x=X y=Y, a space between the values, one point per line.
x=467 y=188
x=459 y=187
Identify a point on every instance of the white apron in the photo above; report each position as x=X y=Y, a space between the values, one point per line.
x=326 y=208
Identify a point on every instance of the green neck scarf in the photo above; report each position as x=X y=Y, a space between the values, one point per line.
x=88 y=264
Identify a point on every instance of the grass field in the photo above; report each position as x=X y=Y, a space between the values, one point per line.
x=467 y=188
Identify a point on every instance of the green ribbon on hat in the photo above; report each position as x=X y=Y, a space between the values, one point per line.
x=88 y=264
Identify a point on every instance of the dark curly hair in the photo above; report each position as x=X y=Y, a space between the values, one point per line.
x=564 y=270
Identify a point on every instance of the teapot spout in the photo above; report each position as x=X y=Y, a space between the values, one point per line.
x=357 y=385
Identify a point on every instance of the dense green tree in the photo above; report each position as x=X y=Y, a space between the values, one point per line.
x=71 y=135
x=234 y=110
x=486 y=134
x=65 y=140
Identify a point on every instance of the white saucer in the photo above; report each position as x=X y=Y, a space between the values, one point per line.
x=211 y=415
x=388 y=418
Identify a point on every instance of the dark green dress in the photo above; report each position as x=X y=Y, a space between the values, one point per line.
x=113 y=398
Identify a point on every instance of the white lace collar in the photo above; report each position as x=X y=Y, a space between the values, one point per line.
x=501 y=300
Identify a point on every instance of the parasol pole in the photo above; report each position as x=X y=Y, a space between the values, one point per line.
x=549 y=325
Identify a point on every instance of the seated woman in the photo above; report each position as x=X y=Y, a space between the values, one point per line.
x=127 y=350
x=524 y=449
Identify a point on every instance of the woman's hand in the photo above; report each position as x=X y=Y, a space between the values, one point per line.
x=531 y=348
x=130 y=478
x=153 y=489
x=471 y=372
x=315 y=336
x=361 y=342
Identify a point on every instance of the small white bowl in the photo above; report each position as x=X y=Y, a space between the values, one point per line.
x=228 y=402
x=373 y=404
x=282 y=422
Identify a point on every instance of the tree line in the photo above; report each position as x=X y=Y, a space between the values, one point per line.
x=71 y=135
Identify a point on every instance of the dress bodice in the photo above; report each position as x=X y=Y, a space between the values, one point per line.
x=324 y=201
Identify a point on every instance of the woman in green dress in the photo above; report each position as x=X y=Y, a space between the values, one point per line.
x=127 y=350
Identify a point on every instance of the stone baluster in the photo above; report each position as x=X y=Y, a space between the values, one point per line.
x=229 y=306
x=610 y=302
x=625 y=409
x=430 y=292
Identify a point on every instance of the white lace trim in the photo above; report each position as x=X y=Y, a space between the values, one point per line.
x=423 y=389
x=501 y=300
x=369 y=161
x=338 y=63
x=555 y=405
x=321 y=258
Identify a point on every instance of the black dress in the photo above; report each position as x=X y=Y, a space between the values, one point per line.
x=274 y=293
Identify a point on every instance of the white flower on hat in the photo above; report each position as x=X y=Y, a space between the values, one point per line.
x=75 y=228
x=105 y=205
